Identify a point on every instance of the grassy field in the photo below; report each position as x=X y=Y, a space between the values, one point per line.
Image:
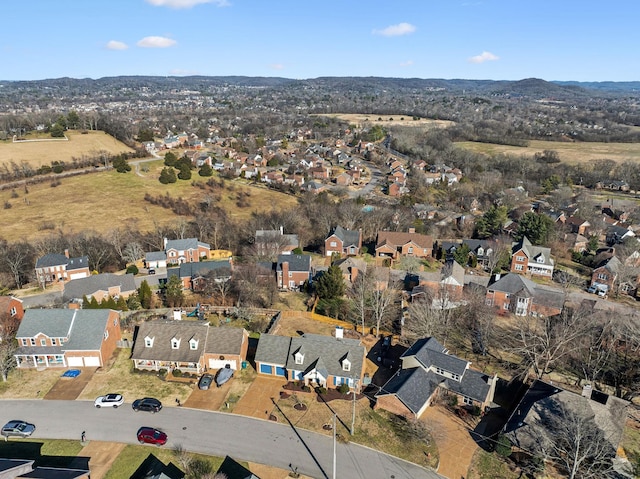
x=107 y=200
x=29 y=383
x=568 y=152
x=40 y=153
x=389 y=120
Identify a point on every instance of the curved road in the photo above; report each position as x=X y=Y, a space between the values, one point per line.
x=216 y=434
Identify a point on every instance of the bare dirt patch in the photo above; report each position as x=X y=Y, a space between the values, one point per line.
x=361 y=120
x=102 y=455
x=210 y=399
x=70 y=388
x=296 y=325
x=256 y=402
x=29 y=383
x=38 y=153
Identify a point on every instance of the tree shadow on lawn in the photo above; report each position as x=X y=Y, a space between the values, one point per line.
x=30 y=450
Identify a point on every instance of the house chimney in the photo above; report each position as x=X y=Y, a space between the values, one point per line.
x=281 y=229
x=164 y=242
x=412 y=230
x=285 y=274
x=66 y=253
x=339 y=332
x=497 y=276
x=586 y=391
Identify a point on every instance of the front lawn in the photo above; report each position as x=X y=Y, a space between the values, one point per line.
x=118 y=377
x=53 y=453
x=29 y=383
x=487 y=465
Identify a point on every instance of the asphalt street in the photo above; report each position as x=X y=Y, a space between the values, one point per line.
x=213 y=433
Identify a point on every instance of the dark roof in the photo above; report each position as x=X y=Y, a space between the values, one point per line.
x=265 y=236
x=185 y=244
x=77 y=288
x=431 y=353
x=8 y=464
x=162 y=332
x=297 y=262
x=273 y=349
x=56 y=473
x=412 y=386
x=155 y=256
x=516 y=284
x=78 y=263
x=51 y=259
x=348 y=237
x=225 y=340
x=528 y=424
x=191 y=270
x=83 y=327
x=533 y=251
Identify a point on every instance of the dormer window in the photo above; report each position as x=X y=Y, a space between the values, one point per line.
x=148 y=342
x=346 y=365
x=540 y=259
x=480 y=251
x=193 y=344
x=299 y=357
x=175 y=343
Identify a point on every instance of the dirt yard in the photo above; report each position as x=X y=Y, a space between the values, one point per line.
x=70 y=388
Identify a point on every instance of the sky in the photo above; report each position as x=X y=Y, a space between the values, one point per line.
x=585 y=40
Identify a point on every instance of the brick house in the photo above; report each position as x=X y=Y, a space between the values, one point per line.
x=11 y=306
x=605 y=274
x=444 y=287
x=188 y=250
x=532 y=260
x=314 y=359
x=513 y=293
x=274 y=242
x=54 y=267
x=194 y=276
x=428 y=370
x=67 y=337
x=100 y=286
x=392 y=244
x=343 y=242
x=293 y=270
x=190 y=346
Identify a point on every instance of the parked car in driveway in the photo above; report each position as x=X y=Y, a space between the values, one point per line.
x=150 y=435
x=147 y=404
x=17 y=428
x=205 y=381
x=109 y=400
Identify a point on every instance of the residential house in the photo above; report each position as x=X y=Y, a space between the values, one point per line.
x=275 y=242
x=190 y=346
x=24 y=468
x=531 y=425
x=344 y=179
x=315 y=187
x=55 y=267
x=618 y=234
x=397 y=188
x=429 y=370
x=11 y=307
x=194 y=276
x=100 y=286
x=350 y=268
x=155 y=259
x=392 y=244
x=67 y=337
x=578 y=225
x=604 y=276
x=316 y=360
x=480 y=249
x=513 y=293
x=188 y=250
x=343 y=242
x=617 y=185
x=293 y=270
x=532 y=260
x=444 y=287
x=576 y=242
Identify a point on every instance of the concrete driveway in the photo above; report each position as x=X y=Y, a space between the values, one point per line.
x=256 y=402
x=455 y=444
x=210 y=399
x=70 y=388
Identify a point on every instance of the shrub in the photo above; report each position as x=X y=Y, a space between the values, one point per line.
x=452 y=400
x=162 y=372
x=321 y=390
x=476 y=411
x=177 y=373
x=503 y=446
x=132 y=269
x=344 y=388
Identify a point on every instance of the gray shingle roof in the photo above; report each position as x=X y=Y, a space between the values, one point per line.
x=265 y=236
x=224 y=340
x=533 y=252
x=297 y=262
x=185 y=244
x=203 y=267
x=162 y=332
x=348 y=237
x=273 y=349
x=516 y=284
x=83 y=327
x=77 y=288
x=431 y=353
x=51 y=259
x=78 y=263
x=412 y=386
x=155 y=256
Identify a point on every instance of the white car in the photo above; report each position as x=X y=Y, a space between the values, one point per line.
x=109 y=400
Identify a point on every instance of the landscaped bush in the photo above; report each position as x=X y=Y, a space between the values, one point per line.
x=344 y=388
x=132 y=269
x=321 y=390
x=177 y=373
x=503 y=446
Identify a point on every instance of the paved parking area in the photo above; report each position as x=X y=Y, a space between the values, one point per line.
x=70 y=388
x=256 y=402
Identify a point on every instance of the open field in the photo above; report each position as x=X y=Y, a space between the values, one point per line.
x=40 y=153
x=568 y=152
x=390 y=120
x=107 y=200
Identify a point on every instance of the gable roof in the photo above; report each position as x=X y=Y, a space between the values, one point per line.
x=273 y=349
x=348 y=237
x=265 y=236
x=83 y=327
x=201 y=268
x=51 y=259
x=185 y=244
x=80 y=262
x=77 y=288
x=429 y=352
x=533 y=252
x=516 y=284
x=155 y=256
x=398 y=239
x=411 y=386
x=611 y=264
x=162 y=332
x=297 y=262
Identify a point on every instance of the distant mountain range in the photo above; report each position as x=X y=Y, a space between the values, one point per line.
x=530 y=87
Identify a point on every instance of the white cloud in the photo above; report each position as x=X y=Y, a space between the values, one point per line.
x=396 y=30
x=277 y=66
x=484 y=57
x=156 y=42
x=116 y=45
x=186 y=3
x=408 y=63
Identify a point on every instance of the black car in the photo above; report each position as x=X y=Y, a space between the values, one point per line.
x=205 y=381
x=147 y=404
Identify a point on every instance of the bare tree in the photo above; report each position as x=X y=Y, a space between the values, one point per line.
x=499 y=254
x=382 y=304
x=132 y=252
x=360 y=295
x=543 y=342
x=17 y=259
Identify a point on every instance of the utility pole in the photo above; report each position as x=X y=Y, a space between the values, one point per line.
x=353 y=414
x=334 y=446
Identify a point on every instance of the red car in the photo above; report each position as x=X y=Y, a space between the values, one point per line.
x=150 y=435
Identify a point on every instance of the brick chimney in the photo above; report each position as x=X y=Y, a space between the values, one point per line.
x=285 y=274
x=412 y=230
x=66 y=253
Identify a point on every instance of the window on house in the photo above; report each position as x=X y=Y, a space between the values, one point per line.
x=43 y=342
x=440 y=371
x=456 y=377
x=333 y=244
x=505 y=306
x=175 y=343
x=299 y=358
x=346 y=365
x=518 y=267
x=193 y=344
x=148 y=342
x=13 y=311
x=410 y=250
x=24 y=342
x=290 y=274
x=54 y=342
x=467 y=401
x=603 y=276
x=33 y=341
x=106 y=334
x=540 y=259
x=520 y=258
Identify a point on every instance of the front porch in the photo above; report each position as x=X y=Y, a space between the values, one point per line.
x=169 y=366
x=41 y=361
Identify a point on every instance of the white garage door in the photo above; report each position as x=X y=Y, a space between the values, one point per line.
x=221 y=363
x=74 y=361
x=77 y=275
x=92 y=361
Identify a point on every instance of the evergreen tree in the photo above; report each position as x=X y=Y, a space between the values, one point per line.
x=331 y=284
x=173 y=292
x=170 y=159
x=461 y=255
x=535 y=227
x=168 y=175
x=145 y=294
x=205 y=170
x=185 y=172
x=491 y=222
x=121 y=304
x=93 y=304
